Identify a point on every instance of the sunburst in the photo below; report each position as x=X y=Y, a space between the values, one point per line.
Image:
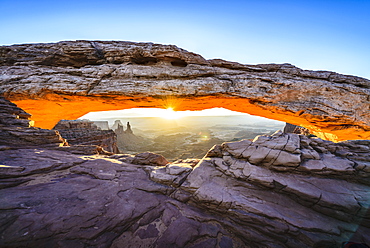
x=170 y=114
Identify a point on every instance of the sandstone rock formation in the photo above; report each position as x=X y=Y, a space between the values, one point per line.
x=284 y=190
x=85 y=132
x=281 y=191
x=69 y=79
x=117 y=125
x=127 y=141
x=16 y=131
x=289 y=128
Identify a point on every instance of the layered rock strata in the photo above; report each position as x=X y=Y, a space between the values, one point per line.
x=68 y=79
x=289 y=128
x=16 y=130
x=284 y=190
x=85 y=132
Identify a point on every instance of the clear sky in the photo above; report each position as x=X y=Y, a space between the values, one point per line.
x=320 y=35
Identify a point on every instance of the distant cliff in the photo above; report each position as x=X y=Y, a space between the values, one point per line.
x=85 y=132
x=127 y=141
x=103 y=125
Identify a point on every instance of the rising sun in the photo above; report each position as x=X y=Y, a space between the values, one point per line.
x=169 y=113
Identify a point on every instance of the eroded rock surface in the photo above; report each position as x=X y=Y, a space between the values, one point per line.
x=16 y=129
x=69 y=79
x=16 y=132
x=85 y=132
x=99 y=202
x=284 y=190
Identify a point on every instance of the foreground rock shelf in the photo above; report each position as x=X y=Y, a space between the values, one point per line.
x=66 y=80
x=284 y=190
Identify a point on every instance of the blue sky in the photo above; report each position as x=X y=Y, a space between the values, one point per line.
x=318 y=35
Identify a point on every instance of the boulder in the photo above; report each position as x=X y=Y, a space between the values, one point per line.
x=149 y=158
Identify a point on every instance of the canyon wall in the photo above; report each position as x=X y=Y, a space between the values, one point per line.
x=16 y=129
x=85 y=132
x=68 y=79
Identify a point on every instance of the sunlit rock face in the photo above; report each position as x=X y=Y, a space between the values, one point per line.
x=66 y=80
x=85 y=132
x=17 y=132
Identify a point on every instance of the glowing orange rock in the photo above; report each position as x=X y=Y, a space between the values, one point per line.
x=46 y=113
x=66 y=80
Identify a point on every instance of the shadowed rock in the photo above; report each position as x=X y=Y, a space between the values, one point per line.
x=16 y=129
x=247 y=194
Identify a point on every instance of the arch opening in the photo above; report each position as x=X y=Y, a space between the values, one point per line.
x=48 y=109
x=179 y=134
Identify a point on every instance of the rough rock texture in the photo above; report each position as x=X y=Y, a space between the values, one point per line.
x=289 y=128
x=16 y=132
x=150 y=159
x=98 y=202
x=284 y=190
x=15 y=129
x=85 y=132
x=69 y=79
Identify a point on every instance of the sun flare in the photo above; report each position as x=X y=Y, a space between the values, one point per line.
x=170 y=114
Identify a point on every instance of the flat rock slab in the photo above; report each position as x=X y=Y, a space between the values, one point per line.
x=22 y=162
x=102 y=203
x=53 y=198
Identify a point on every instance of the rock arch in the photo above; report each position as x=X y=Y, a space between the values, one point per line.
x=66 y=80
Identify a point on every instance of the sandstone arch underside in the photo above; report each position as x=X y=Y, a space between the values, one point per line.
x=66 y=80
